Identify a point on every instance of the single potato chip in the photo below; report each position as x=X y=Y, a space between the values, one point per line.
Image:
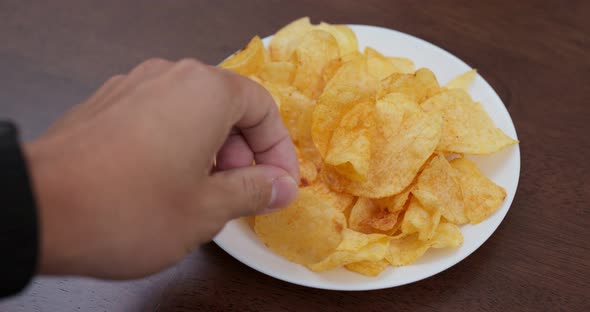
x=339 y=201
x=407 y=249
x=345 y=37
x=355 y=247
x=397 y=154
x=308 y=172
x=248 y=60
x=350 y=147
x=481 y=195
x=420 y=219
x=368 y=268
x=403 y=65
x=278 y=73
x=350 y=85
x=419 y=86
x=467 y=128
x=316 y=51
x=367 y=217
x=283 y=44
x=462 y=81
x=438 y=180
x=380 y=66
x=396 y=202
x=305 y=232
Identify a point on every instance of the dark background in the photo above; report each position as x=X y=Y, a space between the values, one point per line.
x=536 y=54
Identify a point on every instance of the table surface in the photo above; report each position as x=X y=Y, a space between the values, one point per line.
x=536 y=54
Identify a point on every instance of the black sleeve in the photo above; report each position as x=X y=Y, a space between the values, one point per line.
x=19 y=239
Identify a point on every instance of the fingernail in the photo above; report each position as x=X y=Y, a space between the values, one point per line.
x=284 y=191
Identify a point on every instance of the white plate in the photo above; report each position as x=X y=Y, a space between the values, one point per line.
x=241 y=242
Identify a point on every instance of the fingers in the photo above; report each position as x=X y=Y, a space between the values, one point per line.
x=249 y=190
x=234 y=153
x=259 y=121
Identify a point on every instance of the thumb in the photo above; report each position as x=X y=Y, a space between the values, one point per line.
x=251 y=190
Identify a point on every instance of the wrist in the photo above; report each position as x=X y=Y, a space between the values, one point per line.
x=45 y=189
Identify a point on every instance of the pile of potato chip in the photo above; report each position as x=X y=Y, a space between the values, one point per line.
x=380 y=146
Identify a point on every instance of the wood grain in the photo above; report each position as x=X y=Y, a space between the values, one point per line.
x=534 y=53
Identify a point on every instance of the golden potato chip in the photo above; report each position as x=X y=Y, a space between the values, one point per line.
x=350 y=85
x=350 y=147
x=419 y=86
x=397 y=154
x=362 y=210
x=407 y=249
x=403 y=65
x=462 y=81
x=283 y=44
x=394 y=203
x=316 y=51
x=384 y=222
x=248 y=60
x=296 y=112
x=438 y=180
x=381 y=67
x=278 y=73
x=369 y=268
x=447 y=235
x=340 y=201
x=344 y=36
x=467 y=128
x=308 y=172
x=305 y=232
x=481 y=195
x=367 y=217
x=355 y=247
x=420 y=219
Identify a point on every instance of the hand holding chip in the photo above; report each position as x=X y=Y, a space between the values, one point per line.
x=126 y=183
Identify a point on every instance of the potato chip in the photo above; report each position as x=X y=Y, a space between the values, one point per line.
x=305 y=232
x=284 y=42
x=308 y=172
x=384 y=222
x=350 y=149
x=316 y=51
x=467 y=128
x=407 y=249
x=369 y=268
x=394 y=203
x=419 y=86
x=381 y=67
x=296 y=112
x=362 y=210
x=397 y=154
x=340 y=201
x=278 y=73
x=355 y=247
x=248 y=60
x=438 y=180
x=420 y=219
x=403 y=65
x=344 y=36
x=350 y=85
x=462 y=81
x=481 y=195
x=367 y=217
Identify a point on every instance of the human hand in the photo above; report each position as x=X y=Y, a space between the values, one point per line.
x=125 y=182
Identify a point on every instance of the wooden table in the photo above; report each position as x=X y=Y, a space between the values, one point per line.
x=536 y=54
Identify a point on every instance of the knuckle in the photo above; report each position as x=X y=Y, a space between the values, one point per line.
x=190 y=64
